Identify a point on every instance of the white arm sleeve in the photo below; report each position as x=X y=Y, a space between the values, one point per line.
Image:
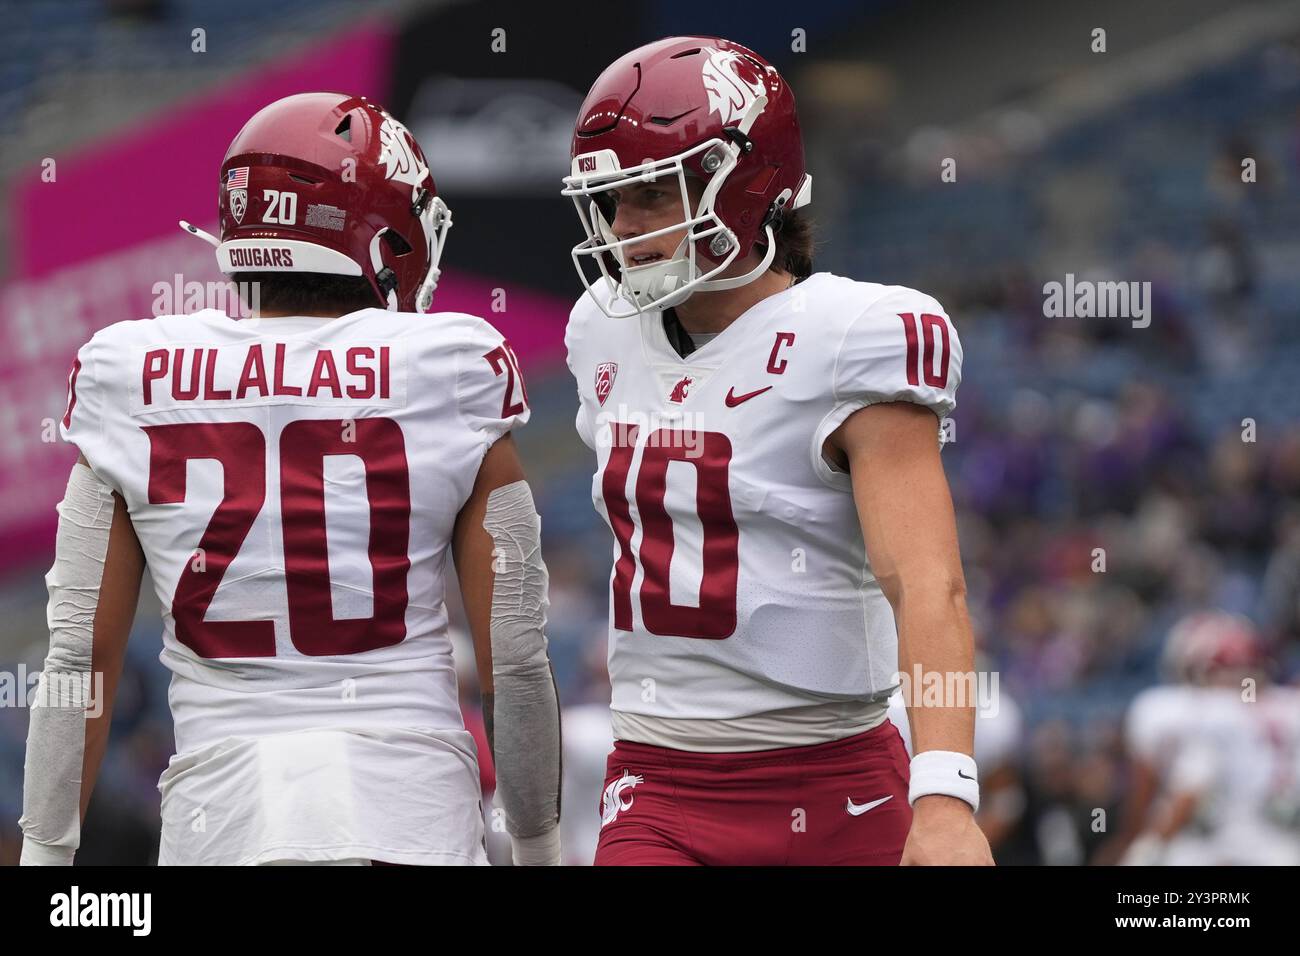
x=56 y=736
x=526 y=710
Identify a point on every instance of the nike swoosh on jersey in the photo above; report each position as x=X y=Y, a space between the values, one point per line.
x=733 y=399
x=857 y=809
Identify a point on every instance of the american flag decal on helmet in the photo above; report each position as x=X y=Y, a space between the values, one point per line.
x=237 y=178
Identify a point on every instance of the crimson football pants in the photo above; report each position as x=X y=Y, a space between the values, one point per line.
x=841 y=803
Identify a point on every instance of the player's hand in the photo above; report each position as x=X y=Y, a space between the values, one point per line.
x=944 y=833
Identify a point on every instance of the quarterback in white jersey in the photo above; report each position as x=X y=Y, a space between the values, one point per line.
x=767 y=459
x=295 y=484
x=742 y=586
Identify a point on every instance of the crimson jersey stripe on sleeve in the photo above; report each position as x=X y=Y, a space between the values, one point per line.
x=72 y=392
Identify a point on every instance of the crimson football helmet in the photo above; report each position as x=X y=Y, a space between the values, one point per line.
x=697 y=106
x=331 y=183
x=1204 y=642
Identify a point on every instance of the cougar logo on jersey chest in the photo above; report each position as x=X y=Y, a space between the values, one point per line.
x=613 y=802
x=605 y=374
x=683 y=385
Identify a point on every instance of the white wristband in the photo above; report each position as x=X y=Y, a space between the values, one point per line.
x=944 y=772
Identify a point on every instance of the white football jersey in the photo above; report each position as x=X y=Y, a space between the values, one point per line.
x=1239 y=757
x=1159 y=723
x=741 y=584
x=294 y=483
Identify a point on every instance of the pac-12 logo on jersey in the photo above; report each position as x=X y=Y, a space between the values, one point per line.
x=605 y=375
x=611 y=804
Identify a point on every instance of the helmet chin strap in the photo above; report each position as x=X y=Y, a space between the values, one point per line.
x=377 y=263
x=196 y=231
x=735 y=282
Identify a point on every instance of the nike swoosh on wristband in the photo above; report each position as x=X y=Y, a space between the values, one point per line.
x=857 y=809
x=963 y=776
x=733 y=399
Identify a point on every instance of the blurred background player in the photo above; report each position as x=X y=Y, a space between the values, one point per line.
x=1216 y=754
x=295 y=483
x=728 y=392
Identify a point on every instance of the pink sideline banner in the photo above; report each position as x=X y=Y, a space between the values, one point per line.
x=134 y=185
x=125 y=196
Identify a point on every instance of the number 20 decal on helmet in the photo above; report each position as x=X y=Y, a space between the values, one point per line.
x=331 y=183
x=698 y=107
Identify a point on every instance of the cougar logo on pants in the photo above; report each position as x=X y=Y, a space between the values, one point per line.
x=613 y=803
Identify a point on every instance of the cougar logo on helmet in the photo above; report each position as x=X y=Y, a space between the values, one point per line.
x=400 y=162
x=730 y=93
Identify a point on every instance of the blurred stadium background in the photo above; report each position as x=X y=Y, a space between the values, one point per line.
x=1072 y=434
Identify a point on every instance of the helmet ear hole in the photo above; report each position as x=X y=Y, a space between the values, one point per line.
x=344 y=129
x=397 y=243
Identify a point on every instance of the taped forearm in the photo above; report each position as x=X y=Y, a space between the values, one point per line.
x=527 y=751
x=526 y=712
x=56 y=736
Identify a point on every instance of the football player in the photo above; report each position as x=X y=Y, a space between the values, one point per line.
x=767 y=445
x=1214 y=757
x=295 y=484
x=1157 y=726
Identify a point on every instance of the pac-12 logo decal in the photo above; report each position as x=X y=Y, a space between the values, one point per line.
x=605 y=374
x=733 y=83
x=679 y=391
x=616 y=799
x=237 y=191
